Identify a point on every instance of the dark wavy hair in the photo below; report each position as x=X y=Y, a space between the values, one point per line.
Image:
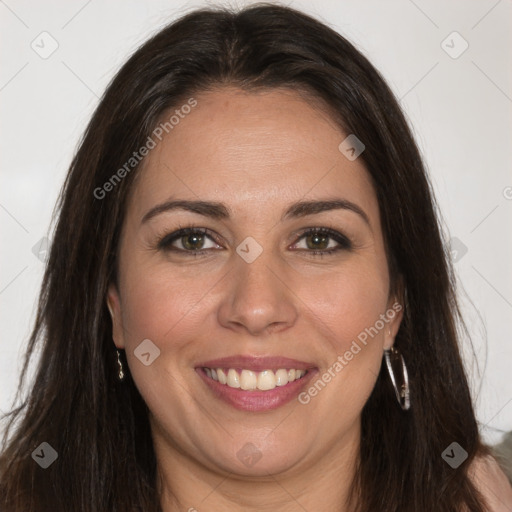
x=99 y=426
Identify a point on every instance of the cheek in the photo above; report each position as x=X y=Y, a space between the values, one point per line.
x=160 y=306
x=159 y=303
x=346 y=303
x=346 y=309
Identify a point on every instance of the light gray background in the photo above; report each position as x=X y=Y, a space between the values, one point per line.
x=460 y=110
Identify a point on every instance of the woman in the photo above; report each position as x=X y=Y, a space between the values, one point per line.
x=247 y=303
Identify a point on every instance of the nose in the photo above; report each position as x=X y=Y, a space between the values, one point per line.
x=257 y=299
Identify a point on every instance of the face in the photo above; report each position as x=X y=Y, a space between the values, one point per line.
x=280 y=280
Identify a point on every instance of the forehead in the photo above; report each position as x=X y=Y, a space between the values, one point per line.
x=252 y=150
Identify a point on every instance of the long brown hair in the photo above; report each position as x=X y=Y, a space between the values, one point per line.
x=98 y=426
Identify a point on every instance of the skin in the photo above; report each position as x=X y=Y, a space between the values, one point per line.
x=256 y=153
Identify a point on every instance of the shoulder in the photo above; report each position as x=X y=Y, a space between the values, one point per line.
x=492 y=482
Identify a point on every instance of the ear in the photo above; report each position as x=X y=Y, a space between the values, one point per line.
x=114 y=306
x=394 y=314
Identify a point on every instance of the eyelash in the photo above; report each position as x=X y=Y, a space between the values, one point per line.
x=165 y=242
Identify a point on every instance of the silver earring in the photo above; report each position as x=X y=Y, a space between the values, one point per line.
x=402 y=393
x=120 y=373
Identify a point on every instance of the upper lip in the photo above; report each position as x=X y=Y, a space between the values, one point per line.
x=257 y=363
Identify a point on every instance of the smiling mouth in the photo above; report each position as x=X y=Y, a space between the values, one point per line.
x=248 y=380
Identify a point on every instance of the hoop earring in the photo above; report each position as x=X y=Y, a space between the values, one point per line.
x=120 y=373
x=402 y=393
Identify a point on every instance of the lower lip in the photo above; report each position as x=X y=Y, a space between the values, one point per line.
x=255 y=401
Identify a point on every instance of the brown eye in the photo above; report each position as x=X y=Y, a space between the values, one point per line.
x=193 y=242
x=317 y=241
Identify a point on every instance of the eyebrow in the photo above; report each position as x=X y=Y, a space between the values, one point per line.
x=219 y=211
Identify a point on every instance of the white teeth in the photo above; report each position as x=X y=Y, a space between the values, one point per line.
x=233 y=379
x=266 y=380
x=222 y=376
x=281 y=377
x=249 y=380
